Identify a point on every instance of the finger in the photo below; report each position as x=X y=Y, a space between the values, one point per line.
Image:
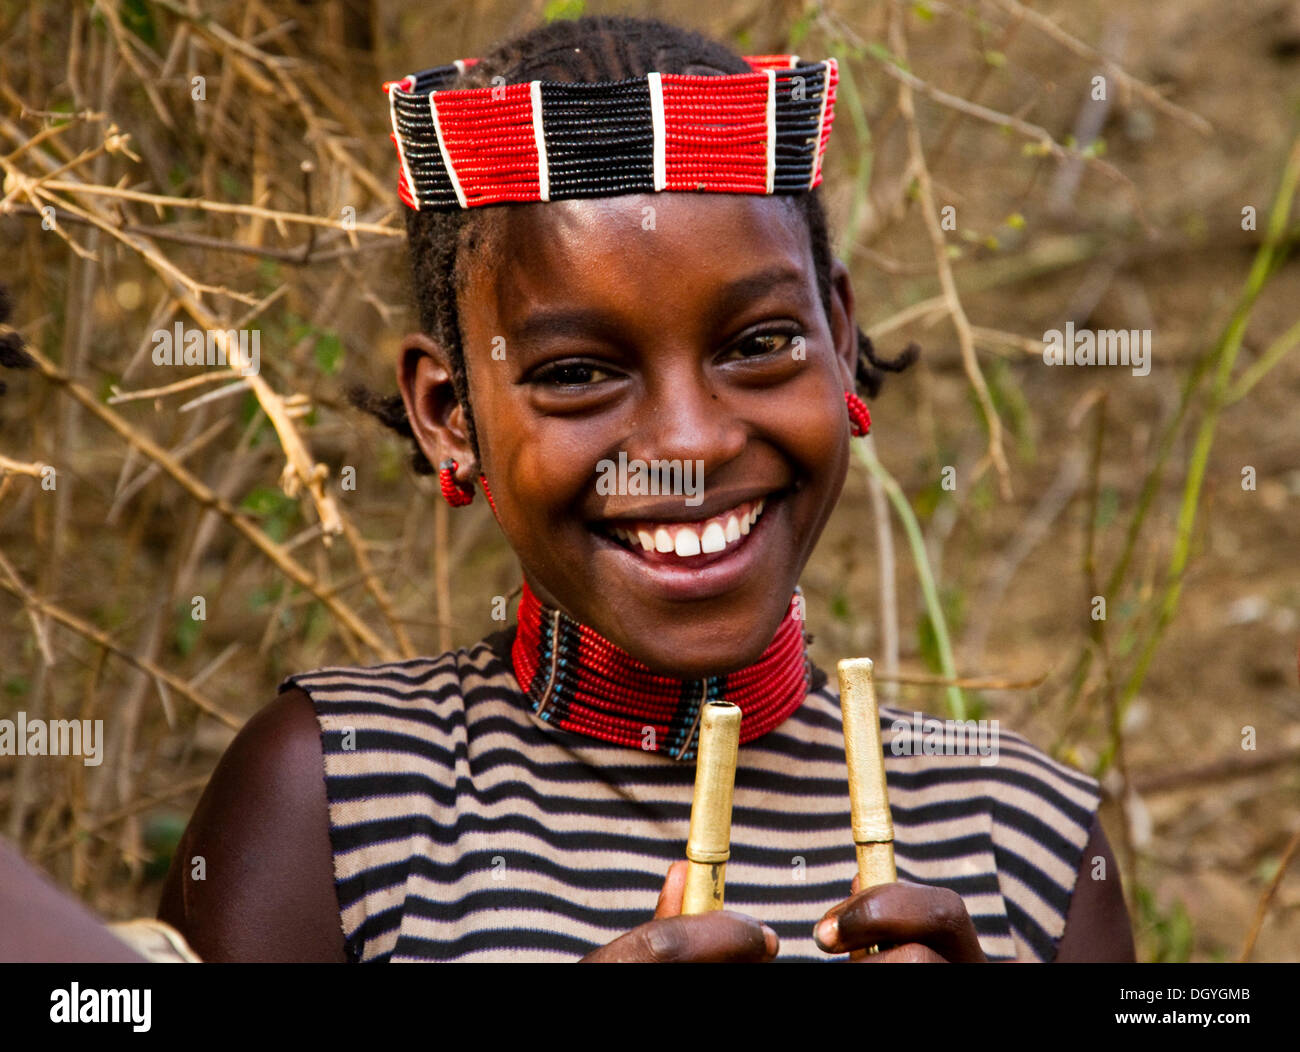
x=674 y=889
x=908 y=953
x=896 y=914
x=709 y=937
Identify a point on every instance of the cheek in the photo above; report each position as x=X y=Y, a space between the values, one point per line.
x=810 y=423
x=538 y=471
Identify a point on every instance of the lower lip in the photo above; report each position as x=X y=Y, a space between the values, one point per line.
x=695 y=577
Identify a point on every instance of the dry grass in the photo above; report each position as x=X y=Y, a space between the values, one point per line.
x=232 y=171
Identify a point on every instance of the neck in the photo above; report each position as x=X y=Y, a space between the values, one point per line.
x=581 y=682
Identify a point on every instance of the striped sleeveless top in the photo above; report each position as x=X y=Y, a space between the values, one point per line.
x=463 y=828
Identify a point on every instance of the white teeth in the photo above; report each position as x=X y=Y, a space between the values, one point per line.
x=688 y=542
x=713 y=540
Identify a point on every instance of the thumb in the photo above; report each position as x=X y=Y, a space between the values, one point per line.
x=855 y=886
x=674 y=889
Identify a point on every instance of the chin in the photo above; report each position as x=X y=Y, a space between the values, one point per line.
x=686 y=648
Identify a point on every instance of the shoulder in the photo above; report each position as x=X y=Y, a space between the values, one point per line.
x=412 y=683
x=1038 y=816
x=1011 y=774
x=252 y=877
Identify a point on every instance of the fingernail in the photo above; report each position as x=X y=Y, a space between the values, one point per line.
x=828 y=933
x=773 y=943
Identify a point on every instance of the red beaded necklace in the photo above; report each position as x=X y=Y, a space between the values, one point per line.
x=579 y=681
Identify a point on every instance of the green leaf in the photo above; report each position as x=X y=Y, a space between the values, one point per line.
x=277 y=512
x=1107 y=507
x=329 y=352
x=799 y=30
x=879 y=51
x=558 y=10
x=162 y=837
x=840 y=607
x=187 y=631
x=923 y=11
x=138 y=19
x=261 y=598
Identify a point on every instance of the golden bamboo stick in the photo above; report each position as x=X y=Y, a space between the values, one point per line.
x=708 y=845
x=873 y=827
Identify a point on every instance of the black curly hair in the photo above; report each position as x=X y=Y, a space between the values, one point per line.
x=592 y=48
x=12 y=355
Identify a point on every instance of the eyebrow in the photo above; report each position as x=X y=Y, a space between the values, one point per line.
x=779 y=276
x=586 y=322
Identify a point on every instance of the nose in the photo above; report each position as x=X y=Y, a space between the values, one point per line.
x=684 y=417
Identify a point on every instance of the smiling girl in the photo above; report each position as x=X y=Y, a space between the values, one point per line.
x=525 y=798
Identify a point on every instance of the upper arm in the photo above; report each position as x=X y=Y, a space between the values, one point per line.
x=1097 y=925
x=264 y=889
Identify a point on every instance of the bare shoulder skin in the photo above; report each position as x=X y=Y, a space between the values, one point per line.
x=262 y=832
x=1097 y=927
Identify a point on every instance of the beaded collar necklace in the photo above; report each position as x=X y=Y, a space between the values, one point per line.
x=762 y=132
x=581 y=682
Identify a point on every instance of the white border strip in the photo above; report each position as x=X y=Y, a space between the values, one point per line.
x=401 y=152
x=821 y=124
x=539 y=136
x=771 y=129
x=446 y=157
x=655 y=80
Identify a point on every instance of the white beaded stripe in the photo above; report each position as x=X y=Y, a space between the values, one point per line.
x=656 y=85
x=829 y=65
x=771 y=130
x=446 y=157
x=401 y=149
x=539 y=135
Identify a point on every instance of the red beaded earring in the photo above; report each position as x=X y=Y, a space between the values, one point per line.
x=859 y=415
x=452 y=491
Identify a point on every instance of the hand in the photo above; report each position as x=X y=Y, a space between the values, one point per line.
x=911 y=923
x=719 y=936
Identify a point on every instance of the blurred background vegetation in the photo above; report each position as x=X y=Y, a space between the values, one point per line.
x=228 y=164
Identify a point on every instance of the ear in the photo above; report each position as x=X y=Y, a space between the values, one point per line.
x=844 y=326
x=437 y=419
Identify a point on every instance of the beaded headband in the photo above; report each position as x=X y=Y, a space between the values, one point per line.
x=762 y=132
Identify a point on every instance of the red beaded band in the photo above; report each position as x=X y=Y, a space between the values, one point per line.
x=762 y=132
x=581 y=682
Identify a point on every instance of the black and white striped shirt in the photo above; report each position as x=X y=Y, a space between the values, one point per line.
x=463 y=828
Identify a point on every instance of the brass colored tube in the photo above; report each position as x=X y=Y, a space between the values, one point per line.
x=873 y=828
x=708 y=845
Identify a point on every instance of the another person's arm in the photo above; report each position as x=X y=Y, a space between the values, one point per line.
x=40 y=923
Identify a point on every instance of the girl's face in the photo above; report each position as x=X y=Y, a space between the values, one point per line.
x=663 y=327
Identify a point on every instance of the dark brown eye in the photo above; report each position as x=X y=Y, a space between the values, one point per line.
x=764 y=343
x=571 y=374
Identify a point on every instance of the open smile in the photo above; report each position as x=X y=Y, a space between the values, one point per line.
x=688 y=540
x=691 y=559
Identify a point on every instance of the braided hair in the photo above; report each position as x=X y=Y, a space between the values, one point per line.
x=592 y=48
